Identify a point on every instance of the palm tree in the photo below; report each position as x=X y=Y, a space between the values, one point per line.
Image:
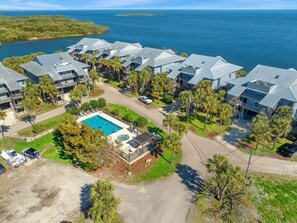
x=116 y=66
x=144 y=78
x=173 y=143
x=203 y=90
x=225 y=111
x=260 y=130
x=106 y=64
x=93 y=61
x=133 y=80
x=104 y=203
x=2 y=117
x=170 y=121
x=281 y=123
x=48 y=87
x=86 y=57
x=209 y=107
x=185 y=98
x=181 y=128
x=185 y=55
x=94 y=76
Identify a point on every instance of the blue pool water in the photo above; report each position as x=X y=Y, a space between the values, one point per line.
x=99 y=123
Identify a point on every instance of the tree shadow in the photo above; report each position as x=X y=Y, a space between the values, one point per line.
x=191 y=179
x=85 y=202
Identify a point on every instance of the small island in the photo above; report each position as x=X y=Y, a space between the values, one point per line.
x=15 y=28
x=139 y=14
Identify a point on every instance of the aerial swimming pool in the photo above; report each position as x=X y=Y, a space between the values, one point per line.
x=99 y=123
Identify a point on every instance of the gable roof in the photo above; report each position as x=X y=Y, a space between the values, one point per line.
x=89 y=44
x=276 y=83
x=52 y=64
x=203 y=67
x=152 y=57
x=121 y=49
x=10 y=78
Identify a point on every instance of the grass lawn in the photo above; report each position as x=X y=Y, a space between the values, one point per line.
x=113 y=82
x=280 y=198
x=43 y=108
x=196 y=124
x=46 y=125
x=265 y=149
x=159 y=104
x=123 y=111
x=162 y=167
x=38 y=144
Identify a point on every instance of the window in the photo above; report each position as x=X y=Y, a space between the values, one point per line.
x=230 y=76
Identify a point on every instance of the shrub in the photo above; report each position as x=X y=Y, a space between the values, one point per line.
x=141 y=122
x=168 y=99
x=227 y=121
x=85 y=106
x=101 y=103
x=128 y=118
x=37 y=128
x=122 y=84
x=73 y=111
x=94 y=104
x=115 y=112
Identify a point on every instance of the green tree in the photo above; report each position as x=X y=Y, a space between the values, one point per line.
x=260 y=129
x=48 y=88
x=226 y=187
x=281 y=123
x=161 y=85
x=210 y=106
x=172 y=142
x=94 y=76
x=170 y=121
x=2 y=117
x=203 y=90
x=89 y=147
x=93 y=61
x=133 y=80
x=103 y=202
x=86 y=58
x=116 y=66
x=181 y=128
x=77 y=93
x=225 y=111
x=30 y=102
x=240 y=73
x=185 y=55
x=185 y=98
x=105 y=64
x=101 y=102
x=144 y=78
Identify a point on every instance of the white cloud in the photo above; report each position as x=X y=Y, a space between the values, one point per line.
x=30 y=5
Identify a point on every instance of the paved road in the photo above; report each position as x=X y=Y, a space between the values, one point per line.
x=170 y=200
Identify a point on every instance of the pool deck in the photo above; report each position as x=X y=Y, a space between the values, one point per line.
x=112 y=137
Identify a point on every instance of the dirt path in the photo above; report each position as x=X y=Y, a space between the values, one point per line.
x=41 y=191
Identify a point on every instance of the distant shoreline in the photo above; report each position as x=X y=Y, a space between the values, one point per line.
x=30 y=28
x=138 y=14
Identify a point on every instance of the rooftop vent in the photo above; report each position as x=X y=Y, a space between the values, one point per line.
x=276 y=77
x=203 y=62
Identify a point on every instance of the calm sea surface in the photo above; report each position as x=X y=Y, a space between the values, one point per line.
x=245 y=38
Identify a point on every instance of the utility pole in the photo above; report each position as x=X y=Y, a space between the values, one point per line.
x=248 y=166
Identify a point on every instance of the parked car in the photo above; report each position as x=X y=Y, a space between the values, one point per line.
x=146 y=100
x=31 y=153
x=13 y=158
x=2 y=169
x=290 y=150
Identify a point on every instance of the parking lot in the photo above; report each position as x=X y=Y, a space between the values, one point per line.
x=41 y=191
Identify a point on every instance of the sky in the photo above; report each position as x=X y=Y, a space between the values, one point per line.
x=145 y=4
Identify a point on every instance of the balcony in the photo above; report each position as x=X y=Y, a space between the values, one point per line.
x=16 y=96
x=64 y=85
